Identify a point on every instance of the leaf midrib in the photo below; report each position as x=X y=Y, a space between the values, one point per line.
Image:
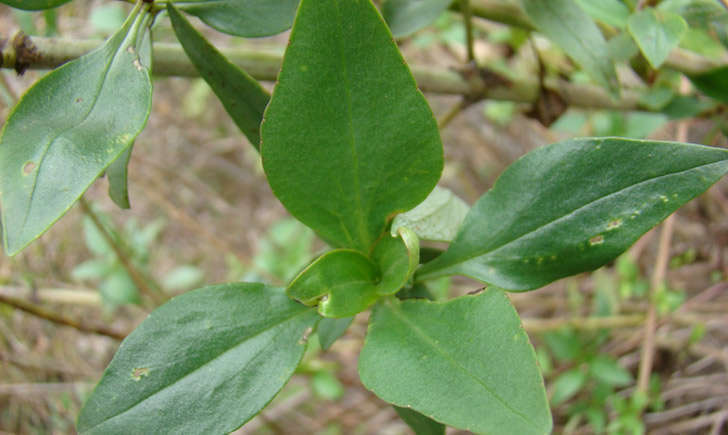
x=426 y=338
x=85 y=117
x=206 y=363
x=479 y=253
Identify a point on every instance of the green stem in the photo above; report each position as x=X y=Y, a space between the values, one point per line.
x=468 y=19
x=144 y=283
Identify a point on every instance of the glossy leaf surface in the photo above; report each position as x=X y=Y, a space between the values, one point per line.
x=347 y=139
x=397 y=258
x=436 y=218
x=569 y=27
x=205 y=362
x=405 y=17
x=656 y=33
x=329 y=330
x=420 y=424
x=602 y=194
x=246 y=18
x=341 y=282
x=241 y=95
x=34 y=5
x=713 y=83
x=68 y=128
x=481 y=375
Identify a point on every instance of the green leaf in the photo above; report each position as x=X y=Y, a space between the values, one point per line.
x=116 y=173
x=436 y=218
x=329 y=330
x=467 y=363
x=241 y=95
x=119 y=289
x=573 y=206
x=246 y=18
x=569 y=27
x=567 y=385
x=67 y=130
x=606 y=370
x=397 y=259
x=341 y=282
x=205 y=362
x=612 y=12
x=713 y=83
x=34 y=5
x=656 y=33
x=408 y=16
x=347 y=139
x=420 y=424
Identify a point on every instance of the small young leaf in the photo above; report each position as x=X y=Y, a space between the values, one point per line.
x=246 y=18
x=607 y=370
x=67 y=130
x=420 y=424
x=116 y=173
x=436 y=218
x=341 y=282
x=569 y=27
x=713 y=83
x=397 y=259
x=567 y=385
x=612 y=12
x=480 y=376
x=656 y=33
x=408 y=16
x=329 y=330
x=602 y=194
x=241 y=95
x=205 y=362
x=347 y=139
x=34 y=5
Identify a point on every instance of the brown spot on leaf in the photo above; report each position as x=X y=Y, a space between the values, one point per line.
x=596 y=240
x=28 y=168
x=26 y=52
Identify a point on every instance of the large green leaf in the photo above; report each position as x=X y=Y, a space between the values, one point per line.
x=68 y=128
x=247 y=18
x=572 y=207
x=567 y=25
x=241 y=95
x=713 y=83
x=205 y=362
x=34 y=5
x=408 y=16
x=656 y=33
x=347 y=139
x=467 y=363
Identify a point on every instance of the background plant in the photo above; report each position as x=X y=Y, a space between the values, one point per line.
x=527 y=253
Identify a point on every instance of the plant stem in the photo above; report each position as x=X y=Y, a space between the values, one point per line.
x=582 y=323
x=452 y=113
x=170 y=60
x=468 y=19
x=61 y=320
x=145 y=284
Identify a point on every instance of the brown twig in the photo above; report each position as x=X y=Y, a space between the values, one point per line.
x=145 y=284
x=453 y=112
x=60 y=319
